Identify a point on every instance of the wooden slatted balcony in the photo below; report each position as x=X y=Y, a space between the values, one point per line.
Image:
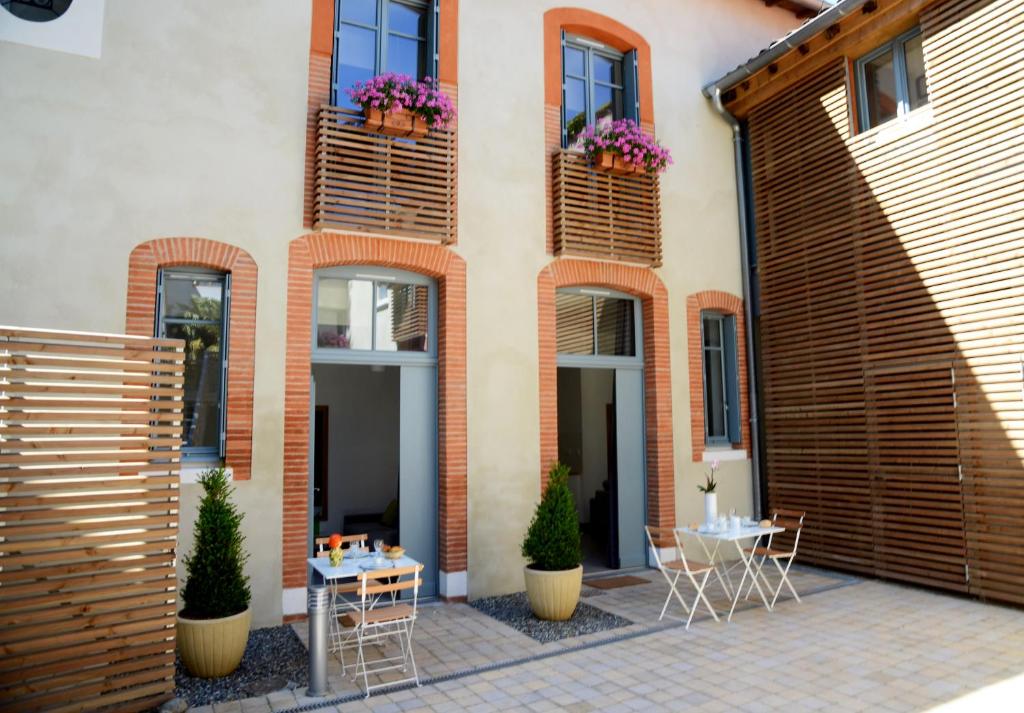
x=374 y=183
x=603 y=215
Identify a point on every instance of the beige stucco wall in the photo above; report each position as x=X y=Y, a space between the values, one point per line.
x=192 y=122
x=502 y=233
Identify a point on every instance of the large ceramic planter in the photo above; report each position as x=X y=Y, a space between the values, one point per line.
x=614 y=163
x=399 y=123
x=554 y=595
x=211 y=648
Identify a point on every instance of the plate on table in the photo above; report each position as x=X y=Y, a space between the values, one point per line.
x=372 y=564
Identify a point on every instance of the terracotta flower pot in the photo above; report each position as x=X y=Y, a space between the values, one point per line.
x=554 y=595
x=400 y=123
x=615 y=164
x=211 y=648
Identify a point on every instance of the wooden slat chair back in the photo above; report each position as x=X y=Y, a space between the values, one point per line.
x=696 y=572
x=781 y=546
x=374 y=624
x=320 y=543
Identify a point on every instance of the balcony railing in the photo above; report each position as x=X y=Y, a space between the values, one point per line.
x=603 y=215
x=373 y=183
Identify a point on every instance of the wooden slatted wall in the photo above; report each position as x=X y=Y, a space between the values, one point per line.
x=603 y=215
x=374 y=183
x=90 y=431
x=892 y=326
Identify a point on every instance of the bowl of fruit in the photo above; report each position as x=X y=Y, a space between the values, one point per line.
x=393 y=552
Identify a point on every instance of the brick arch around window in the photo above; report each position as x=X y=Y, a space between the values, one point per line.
x=727 y=304
x=603 y=29
x=644 y=284
x=143 y=264
x=311 y=252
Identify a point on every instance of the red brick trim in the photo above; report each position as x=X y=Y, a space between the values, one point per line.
x=646 y=285
x=144 y=262
x=724 y=303
x=319 y=250
x=321 y=49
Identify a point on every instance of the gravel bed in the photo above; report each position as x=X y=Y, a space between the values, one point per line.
x=514 y=610
x=275 y=658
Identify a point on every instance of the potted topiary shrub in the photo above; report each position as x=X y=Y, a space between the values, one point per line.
x=213 y=625
x=552 y=546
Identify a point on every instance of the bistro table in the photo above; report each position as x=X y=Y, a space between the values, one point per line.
x=735 y=535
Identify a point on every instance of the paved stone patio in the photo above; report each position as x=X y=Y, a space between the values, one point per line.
x=851 y=645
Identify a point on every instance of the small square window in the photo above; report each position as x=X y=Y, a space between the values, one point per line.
x=891 y=80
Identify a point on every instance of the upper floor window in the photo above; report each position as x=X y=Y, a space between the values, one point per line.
x=376 y=36
x=891 y=80
x=598 y=83
x=192 y=305
x=721 y=379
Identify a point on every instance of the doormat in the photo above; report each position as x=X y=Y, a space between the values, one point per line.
x=616 y=582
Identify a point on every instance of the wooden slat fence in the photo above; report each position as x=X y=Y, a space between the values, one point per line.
x=891 y=266
x=90 y=433
x=375 y=183
x=603 y=215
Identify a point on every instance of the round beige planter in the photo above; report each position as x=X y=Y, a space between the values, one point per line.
x=211 y=648
x=554 y=595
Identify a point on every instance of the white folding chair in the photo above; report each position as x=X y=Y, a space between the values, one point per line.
x=340 y=639
x=696 y=572
x=379 y=625
x=780 y=547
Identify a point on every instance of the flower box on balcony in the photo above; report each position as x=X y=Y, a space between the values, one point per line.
x=398 y=123
x=616 y=164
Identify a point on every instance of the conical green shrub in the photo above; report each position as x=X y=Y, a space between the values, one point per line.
x=553 y=540
x=216 y=585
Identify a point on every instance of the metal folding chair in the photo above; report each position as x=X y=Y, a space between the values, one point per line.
x=777 y=552
x=379 y=625
x=696 y=572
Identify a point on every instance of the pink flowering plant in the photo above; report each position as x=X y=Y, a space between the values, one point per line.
x=625 y=138
x=392 y=92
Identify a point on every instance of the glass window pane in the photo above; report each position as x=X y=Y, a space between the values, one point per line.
x=880 y=89
x=361 y=11
x=607 y=103
x=406 y=56
x=574 y=59
x=607 y=70
x=917 y=84
x=714 y=394
x=202 y=383
x=575 y=108
x=357 y=48
x=615 y=328
x=344 y=309
x=712 y=332
x=187 y=297
x=402 y=317
x=407 y=20
x=574 y=323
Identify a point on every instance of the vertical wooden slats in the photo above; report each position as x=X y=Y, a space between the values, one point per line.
x=90 y=432
x=375 y=183
x=892 y=326
x=603 y=215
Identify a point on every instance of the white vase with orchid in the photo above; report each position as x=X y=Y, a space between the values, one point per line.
x=710 y=496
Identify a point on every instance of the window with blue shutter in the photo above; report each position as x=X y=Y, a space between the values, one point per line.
x=376 y=36
x=598 y=82
x=721 y=379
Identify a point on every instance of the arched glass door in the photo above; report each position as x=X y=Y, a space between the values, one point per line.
x=374 y=374
x=601 y=420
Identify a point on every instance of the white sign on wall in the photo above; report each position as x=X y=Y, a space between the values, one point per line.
x=74 y=26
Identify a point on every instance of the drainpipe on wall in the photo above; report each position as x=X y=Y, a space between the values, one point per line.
x=742 y=195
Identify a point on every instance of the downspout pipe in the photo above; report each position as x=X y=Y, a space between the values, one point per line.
x=742 y=196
